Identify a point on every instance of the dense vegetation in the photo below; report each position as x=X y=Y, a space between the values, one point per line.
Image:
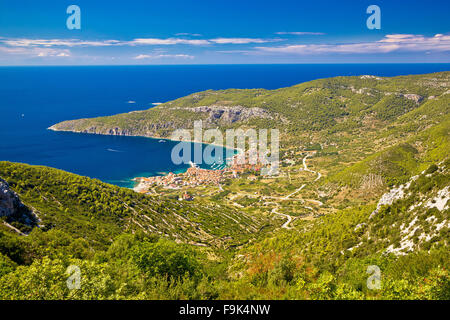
x=340 y=104
x=91 y=209
x=326 y=258
x=370 y=136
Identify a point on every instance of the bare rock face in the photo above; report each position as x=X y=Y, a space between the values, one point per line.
x=9 y=201
x=411 y=96
x=370 y=77
x=394 y=194
x=232 y=114
x=414 y=97
x=13 y=209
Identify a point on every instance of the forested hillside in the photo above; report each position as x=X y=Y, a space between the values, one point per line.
x=97 y=212
x=327 y=258
x=338 y=104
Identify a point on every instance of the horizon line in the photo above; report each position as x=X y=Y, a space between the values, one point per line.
x=210 y=64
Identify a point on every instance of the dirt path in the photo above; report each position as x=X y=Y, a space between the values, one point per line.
x=305 y=167
x=291 y=194
x=289 y=218
x=288 y=197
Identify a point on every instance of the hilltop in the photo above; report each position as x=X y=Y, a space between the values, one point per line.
x=345 y=119
x=336 y=104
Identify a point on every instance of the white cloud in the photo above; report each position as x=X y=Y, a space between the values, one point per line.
x=142 y=56
x=169 y=41
x=188 y=34
x=397 y=37
x=240 y=40
x=160 y=56
x=390 y=43
x=300 y=33
x=234 y=51
x=100 y=43
x=57 y=42
x=36 y=51
x=12 y=50
x=47 y=52
x=23 y=42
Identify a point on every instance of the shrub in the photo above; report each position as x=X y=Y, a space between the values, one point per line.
x=165 y=258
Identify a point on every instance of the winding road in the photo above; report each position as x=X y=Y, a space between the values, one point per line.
x=305 y=167
x=290 y=218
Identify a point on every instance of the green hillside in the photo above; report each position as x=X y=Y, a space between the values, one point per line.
x=325 y=258
x=347 y=119
x=335 y=104
x=328 y=258
x=364 y=182
x=96 y=211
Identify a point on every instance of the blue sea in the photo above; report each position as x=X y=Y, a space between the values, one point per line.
x=34 y=98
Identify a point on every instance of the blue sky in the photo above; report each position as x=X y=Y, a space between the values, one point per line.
x=223 y=32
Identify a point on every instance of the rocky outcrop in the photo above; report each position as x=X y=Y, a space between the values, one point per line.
x=414 y=97
x=232 y=114
x=144 y=130
x=389 y=197
x=9 y=200
x=410 y=96
x=212 y=116
x=13 y=209
x=370 y=77
x=416 y=226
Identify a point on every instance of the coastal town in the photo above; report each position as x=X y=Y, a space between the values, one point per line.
x=196 y=176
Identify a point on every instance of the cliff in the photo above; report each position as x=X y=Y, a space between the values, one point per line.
x=12 y=208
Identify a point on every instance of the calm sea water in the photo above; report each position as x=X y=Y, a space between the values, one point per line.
x=34 y=98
